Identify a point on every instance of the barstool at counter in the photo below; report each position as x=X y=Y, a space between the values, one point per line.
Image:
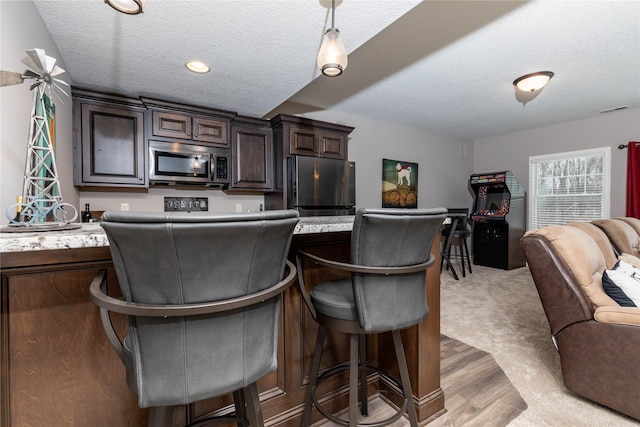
x=390 y=253
x=202 y=300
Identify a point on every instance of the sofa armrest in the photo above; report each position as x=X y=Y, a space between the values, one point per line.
x=619 y=315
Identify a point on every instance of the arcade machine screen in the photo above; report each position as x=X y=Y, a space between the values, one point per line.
x=492 y=201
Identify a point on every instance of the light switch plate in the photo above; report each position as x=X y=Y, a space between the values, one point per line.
x=186 y=204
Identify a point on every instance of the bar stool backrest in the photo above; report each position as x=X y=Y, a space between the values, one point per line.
x=186 y=258
x=389 y=238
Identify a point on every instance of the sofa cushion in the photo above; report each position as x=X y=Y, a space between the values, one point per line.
x=622 y=235
x=600 y=238
x=618 y=315
x=622 y=283
x=582 y=256
x=630 y=259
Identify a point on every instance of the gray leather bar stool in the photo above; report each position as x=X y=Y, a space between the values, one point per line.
x=390 y=253
x=202 y=302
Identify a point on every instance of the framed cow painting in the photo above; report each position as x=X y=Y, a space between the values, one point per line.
x=399 y=184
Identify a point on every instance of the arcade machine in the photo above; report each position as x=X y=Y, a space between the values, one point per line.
x=499 y=220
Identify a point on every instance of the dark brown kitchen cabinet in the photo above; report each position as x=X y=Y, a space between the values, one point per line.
x=301 y=136
x=305 y=137
x=170 y=121
x=182 y=126
x=108 y=140
x=251 y=155
x=332 y=145
x=317 y=143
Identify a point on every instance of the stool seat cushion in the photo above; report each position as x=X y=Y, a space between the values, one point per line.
x=335 y=299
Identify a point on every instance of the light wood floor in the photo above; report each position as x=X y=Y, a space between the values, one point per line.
x=476 y=390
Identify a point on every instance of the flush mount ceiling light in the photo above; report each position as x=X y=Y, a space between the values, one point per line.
x=332 y=57
x=130 y=7
x=197 y=67
x=533 y=82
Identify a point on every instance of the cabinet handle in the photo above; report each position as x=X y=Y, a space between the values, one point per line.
x=195 y=134
x=188 y=133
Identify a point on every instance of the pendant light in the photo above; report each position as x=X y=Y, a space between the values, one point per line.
x=332 y=57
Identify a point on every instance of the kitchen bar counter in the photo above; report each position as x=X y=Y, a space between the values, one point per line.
x=57 y=367
x=91 y=235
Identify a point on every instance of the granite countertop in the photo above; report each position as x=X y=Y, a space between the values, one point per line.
x=92 y=235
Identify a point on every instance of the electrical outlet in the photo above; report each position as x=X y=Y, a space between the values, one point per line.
x=124 y=206
x=238 y=207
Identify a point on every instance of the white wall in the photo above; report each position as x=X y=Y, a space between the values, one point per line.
x=443 y=173
x=153 y=201
x=21 y=29
x=512 y=151
x=443 y=170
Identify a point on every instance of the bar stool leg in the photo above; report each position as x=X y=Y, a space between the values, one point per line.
x=241 y=407
x=313 y=378
x=362 y=347
x=252 y=399
x=353 y=380
x=466 y=249
x=461 y=252
x=160 y=416
x=404 y=377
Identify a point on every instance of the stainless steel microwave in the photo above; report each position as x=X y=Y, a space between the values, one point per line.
x=176 y=163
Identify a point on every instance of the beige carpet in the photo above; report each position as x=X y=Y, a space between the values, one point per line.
x=499 y=312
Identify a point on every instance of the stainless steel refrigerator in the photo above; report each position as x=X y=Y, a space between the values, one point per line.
x=320 y=186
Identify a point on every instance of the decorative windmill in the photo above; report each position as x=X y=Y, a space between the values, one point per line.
x=41 y=203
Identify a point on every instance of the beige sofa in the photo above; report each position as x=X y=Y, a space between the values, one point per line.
x=597 y=339
x=624 y=234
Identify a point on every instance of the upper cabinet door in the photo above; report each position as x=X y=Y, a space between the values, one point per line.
x=304 y=141
x=195 y=128
x=209 y=130
x=109 y=145
x=252 y=156
x=332 y=145
x=171 y=125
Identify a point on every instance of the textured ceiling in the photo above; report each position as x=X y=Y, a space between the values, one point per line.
x=446 y=66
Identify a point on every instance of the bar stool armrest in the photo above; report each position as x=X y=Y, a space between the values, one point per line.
x=99 y=282
x=100 y=298
x=353 y=268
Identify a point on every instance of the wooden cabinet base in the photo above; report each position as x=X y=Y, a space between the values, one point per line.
x=57 y=367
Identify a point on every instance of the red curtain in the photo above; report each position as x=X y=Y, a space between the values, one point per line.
x=633 y=179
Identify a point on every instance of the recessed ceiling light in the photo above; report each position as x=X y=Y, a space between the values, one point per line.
x=197 y=67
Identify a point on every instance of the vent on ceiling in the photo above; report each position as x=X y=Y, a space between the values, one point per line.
x=609 y=110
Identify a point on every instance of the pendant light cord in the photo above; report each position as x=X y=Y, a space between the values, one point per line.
x=333 y=13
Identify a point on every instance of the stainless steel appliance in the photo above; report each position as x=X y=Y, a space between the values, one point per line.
x=320 y=186
x=176 y=163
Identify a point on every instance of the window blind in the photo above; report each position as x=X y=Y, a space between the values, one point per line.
x=567 y=187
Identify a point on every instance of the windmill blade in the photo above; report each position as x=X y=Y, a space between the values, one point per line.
x=62 y=82
x=55 y=71
x=50 y=63
x=57 y=88
x=36 y=59
x=7 y=78
x=28 y=74
x=32 y=65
